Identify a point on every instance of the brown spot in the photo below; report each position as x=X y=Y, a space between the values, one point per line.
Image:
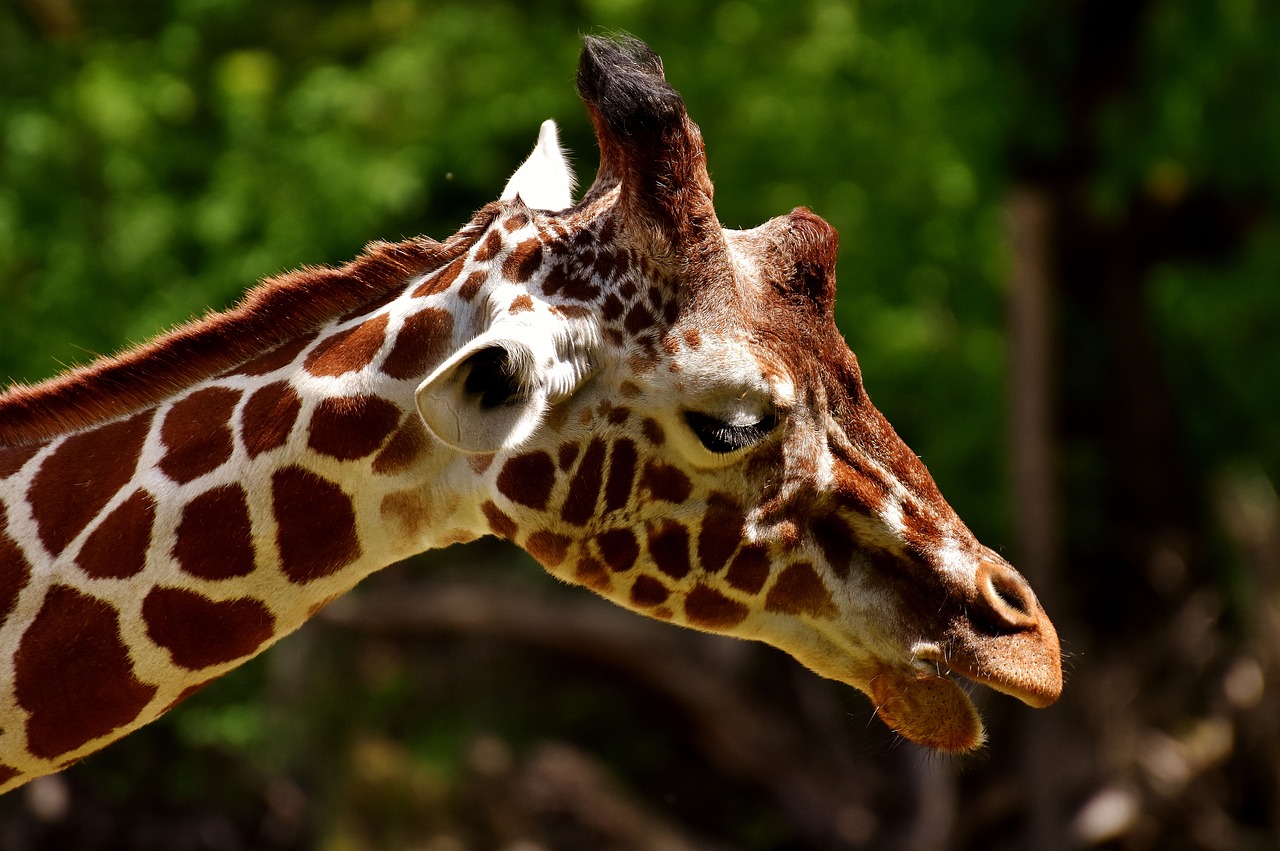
x=407 y=443
x=118 y=547
x=561 y=281
x=666 y=482
x=653 y=432
x=268 y=417
x=722 y=531
x=799 y=590
x=556 y=419
x=215 y=536
x=669 y=549
x=528 y=479
x=423 y=340
x=77 y=480
x=7 y=773
x=607 y=264
x=350 y=350
x=566 y=455
x=480 y=463
x=648 y=592
x=442 y=280
x=502 y=525
x=835 y=539
x=616 y=414
x=277 y=358
x=592 y=574
x=671 y=311
x=628 y=390
x=315 y=525
x=619 y=549
x=408 y=510
x=458 y=535
x=197 y=433
x=73 y=674
x=523 y=261
x=693 y=338
x=638 y=319
x=351 y=427
x=521 y=304
x=612 y=308
x=607 y=233
x=622 y=475
x=643 y=363
x=749 y=569
x=516 y=222
x=472 y=285
x=490 y=247
x=199 y=632
x=12 y=458
x=707 y=608
x=15 y=570
x=548 y=548
x=584 y=488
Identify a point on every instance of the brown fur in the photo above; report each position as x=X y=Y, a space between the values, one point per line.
x=274 y=312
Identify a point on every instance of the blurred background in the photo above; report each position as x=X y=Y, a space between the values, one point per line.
x=1060 y=258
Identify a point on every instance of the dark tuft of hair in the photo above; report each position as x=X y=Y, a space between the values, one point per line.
x=622 y=78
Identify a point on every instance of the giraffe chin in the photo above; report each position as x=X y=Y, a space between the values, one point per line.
x=927 y=708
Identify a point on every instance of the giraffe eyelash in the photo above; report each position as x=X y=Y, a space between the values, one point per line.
x=722 y=437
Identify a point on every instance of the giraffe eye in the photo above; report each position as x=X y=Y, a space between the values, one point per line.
x=723 y=437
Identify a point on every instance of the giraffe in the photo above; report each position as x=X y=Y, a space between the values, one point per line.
x=655 y=407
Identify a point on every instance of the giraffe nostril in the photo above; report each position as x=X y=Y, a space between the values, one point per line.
x=1006 y=596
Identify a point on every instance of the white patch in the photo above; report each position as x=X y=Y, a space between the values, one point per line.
x=891 y=512
x=544 y=181
x=955 y=561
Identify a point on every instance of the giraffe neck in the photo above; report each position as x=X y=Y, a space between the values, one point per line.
x=143 y=556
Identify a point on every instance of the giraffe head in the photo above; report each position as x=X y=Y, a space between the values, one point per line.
x=663 y=410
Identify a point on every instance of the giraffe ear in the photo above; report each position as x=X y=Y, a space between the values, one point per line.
x=496 y=390
x=544 y=181
x=485 y=397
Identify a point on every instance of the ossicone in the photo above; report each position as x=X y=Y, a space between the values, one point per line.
x=648 y=146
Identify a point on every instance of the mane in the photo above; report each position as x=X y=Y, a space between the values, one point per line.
x=276 y=311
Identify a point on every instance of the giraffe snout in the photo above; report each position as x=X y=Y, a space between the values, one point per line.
x=1008 y=641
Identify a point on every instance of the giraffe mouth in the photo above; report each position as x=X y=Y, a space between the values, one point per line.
x=927 y=702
